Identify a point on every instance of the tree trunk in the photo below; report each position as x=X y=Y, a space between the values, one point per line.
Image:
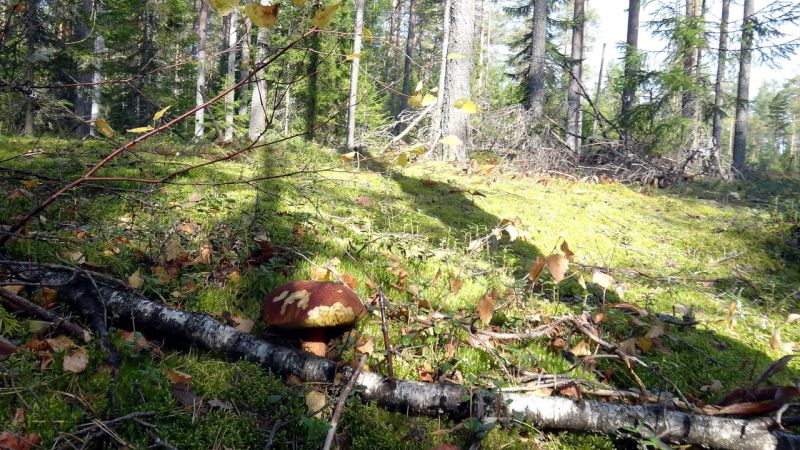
x=245 y=64
x=716 y=126
x=743 y=90
x=689 y=60
x=407 y=56
x=485 y=30
x=455 y=122
x=573 y=128
x=128 y=308
x=351 y=106
x=32 y=23
x=258 y=99
x=631 y=64
x=202 y=26
x=436 y=121
x=398 y=58
x=536 y=80
x=597 y=91
x=97 y=91
x=230 y=78
x=83 y=93
x=793 y=144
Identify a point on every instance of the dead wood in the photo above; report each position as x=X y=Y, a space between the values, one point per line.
x=130 y=309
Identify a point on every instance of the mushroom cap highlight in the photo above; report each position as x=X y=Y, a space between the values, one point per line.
x=312 y=304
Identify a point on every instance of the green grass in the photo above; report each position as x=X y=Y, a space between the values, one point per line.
x=696 y=245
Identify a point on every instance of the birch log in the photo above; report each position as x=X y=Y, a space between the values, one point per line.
x=129 y=308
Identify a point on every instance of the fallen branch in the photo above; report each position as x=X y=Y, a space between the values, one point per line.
x=17 y=303
x=458 y=402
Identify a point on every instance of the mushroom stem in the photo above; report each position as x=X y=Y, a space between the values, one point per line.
x=314 y=341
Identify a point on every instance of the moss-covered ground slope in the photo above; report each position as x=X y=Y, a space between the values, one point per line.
x=727 y=255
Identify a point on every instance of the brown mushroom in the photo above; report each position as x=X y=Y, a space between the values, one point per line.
x=312 y=306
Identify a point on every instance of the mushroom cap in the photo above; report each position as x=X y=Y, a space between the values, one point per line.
x=312 y=304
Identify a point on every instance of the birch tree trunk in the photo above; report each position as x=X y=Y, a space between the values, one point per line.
x=408 y=55
x=230 y=77
x=356 y=62
x=245 y=63
x=631 y=64
x=793 y=144
x=436 y=121
x=597 y=91
x=573 y=128
x=258 y=99
x=457 y=78
x=743 y=90
x=99 y=50
x=536 y=82
x=716 y=125
x=202 y=27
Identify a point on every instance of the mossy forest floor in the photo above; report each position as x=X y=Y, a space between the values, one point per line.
x=729 y=253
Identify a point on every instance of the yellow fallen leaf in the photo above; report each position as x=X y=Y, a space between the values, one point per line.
x=451 y=141
x=353 y=56
x=415 y=100
x=298 y=3
x=141 y=129
x=105 y=128
x=161 y=112
x=348 y=156
x=428 y=100
x=262 y=16
x=325 y=15
x=456 y=56
x=223 y=8
x=172 y=249
x=402 y=160
x=315 y=402
x=368 y=35
x=466 y=105
x=366 y=346
x=581 y=349
x=603 y=280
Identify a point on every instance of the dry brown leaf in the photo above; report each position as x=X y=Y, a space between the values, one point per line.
x=366 y=345
x=243 y=324
x=172 y=249
x=729 y=320
x=558 y=265
x=536 y=270
x=350 y=281
x=176 y=376
x=315 y=402
x=581 y=349
x=455 y=284
x=628 y=346
x=60 y=343
x=581 y=280
x=602 y=279
x=486 y=306
x=204 y=257
x=424 y=374
x=76 y=361
x=775 y=340
x=20 y=417
x=46 y=296
x=630 y=308
x=715 y=387
x=18 y=442
x=655 y=331
x=189 y=228
x=567 y=252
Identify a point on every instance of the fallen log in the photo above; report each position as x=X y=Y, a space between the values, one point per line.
x=130 y=309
